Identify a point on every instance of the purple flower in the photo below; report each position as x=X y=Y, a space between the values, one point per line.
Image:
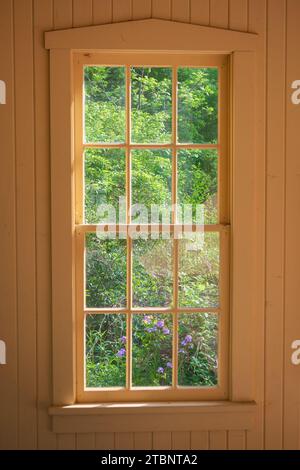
x=170 y=365
x=187 y=339
x=121 y=353
x=166 y=331
x=151 y=330
x=147 y=319
x=160 y=323
x=160 y=370
x=182 y=351
x=123 y=339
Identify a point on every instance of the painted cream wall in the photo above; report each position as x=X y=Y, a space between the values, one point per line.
x=25 y=277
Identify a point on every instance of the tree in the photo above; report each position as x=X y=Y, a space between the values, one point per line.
x=151 y=98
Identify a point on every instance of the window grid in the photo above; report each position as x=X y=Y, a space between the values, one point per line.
x=82 y=228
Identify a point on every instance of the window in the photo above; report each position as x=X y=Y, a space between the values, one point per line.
x=186 y=45
x=152 y=223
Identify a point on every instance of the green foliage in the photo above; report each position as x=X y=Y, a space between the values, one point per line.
x=104 y=367
x=197 y=105
x=151 y=350
x=151 y=98
x=152 y=273
x=199 y=271
x=104 y=182
x=105 y=272
x=197 y=359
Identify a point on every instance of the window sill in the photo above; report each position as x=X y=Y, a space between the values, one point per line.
x=158 y=416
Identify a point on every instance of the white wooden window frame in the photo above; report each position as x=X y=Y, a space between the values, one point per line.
x=154 y=36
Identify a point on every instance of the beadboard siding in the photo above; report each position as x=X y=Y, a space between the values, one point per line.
x=25 y=274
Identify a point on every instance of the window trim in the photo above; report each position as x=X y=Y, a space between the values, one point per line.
x=153 y=35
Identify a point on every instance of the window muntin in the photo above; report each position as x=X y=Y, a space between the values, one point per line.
x=209 y=314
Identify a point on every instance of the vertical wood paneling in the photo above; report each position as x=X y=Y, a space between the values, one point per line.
x=181 y=440
x=257 y=23
x=200 y=12
x=143 y=440
x=141 y=9
x=162 y=440
x=291 y=377
x=25 y=174
x=275 y=217
x=238 y=15
x=82 y=12
x=236 y=440
x=105 y=441
x=219 y=13
x=85 y=441
x=43 y=18
x=8 y=310
x=181 y=10
x=199 y=440
x=62 y=14
x=121 y=10
x=66 y=441
x=102 y=11
x=31 y=197
x=217 y=440
x=124 y=440
x=161 y=9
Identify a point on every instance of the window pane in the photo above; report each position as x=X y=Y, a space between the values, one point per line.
x=152 y=185
x=104 y=184
x=105 y=262
x=197 y=105
x=198 y=186
x=199 y=270
x=104 y=109
x=151 y=350
x=105 y=342
x=151 y=104
x=152 y=272
x=198 y=349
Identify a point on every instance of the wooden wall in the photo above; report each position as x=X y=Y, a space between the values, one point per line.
x=25 y=277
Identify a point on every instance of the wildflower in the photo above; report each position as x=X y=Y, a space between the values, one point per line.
x=160 y=370
x=151 y=330
x=147 y=319
x=123 y=339
x=182 y=351
x=121 y=352
x=160 y=323
x=187 y=339
x=170 y=365
x=166 y=331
